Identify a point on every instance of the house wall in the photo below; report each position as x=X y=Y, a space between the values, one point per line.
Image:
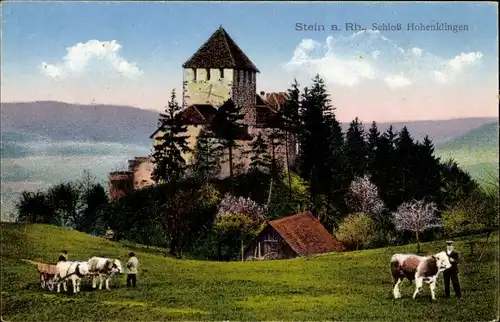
x=195 y=88
x=192 y=131
x=279 y=245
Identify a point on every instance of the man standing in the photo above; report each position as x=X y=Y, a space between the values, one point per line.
x=452 y=272
x=132 y=264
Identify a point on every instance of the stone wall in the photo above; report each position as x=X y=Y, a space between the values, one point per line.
x=243 y=94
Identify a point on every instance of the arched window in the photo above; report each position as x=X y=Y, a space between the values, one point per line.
x=208 y=73
x=194 y=74
x=221 y=72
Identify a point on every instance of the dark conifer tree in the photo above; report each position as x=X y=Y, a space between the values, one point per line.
x=289 y=115
x=206 y=156
x=355 y=150
x=173 y=142
x=260 y=158
x=406 y=163
x=385 y=169
x=318 y=135
x=229 y=128
x=427 y=171
x=373 y=142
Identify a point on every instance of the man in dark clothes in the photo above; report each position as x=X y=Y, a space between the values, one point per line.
x=452 y=272
x=63 y=257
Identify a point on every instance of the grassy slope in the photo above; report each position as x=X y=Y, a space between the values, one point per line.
x=350 y=286
x=476 y=151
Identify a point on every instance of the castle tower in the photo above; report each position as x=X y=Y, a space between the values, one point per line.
x=220 y=70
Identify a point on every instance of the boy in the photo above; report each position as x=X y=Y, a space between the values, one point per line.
x=132 y=264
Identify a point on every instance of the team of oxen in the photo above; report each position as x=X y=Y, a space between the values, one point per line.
x=96 y=268
x=422 y=269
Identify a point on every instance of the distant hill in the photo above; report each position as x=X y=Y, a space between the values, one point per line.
x=476 y=151
x=485 y=136
x=74 y=122
x=125 y=124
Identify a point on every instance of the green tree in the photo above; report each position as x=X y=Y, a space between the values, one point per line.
x=206 y=155
x=355 y=150
x=260 y=158
x=356 y=231
x=35 y=207
x=228 y=128
x=173 y=142
x=289 y=113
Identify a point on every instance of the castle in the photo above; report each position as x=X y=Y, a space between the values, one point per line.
x=219 y=70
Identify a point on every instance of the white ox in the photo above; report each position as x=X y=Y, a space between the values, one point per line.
x=104 y=269
x=73 y=271
x=418 y=268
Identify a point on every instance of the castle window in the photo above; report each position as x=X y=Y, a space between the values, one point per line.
x=208 y=73
x=221 y=72
x=194 y=74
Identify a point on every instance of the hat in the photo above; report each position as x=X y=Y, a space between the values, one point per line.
x=131 y=254
x=449 y=242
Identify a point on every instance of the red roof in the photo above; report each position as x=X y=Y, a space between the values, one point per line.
x=306 y=235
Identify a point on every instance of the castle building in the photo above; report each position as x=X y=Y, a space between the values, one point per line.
x=218 y=71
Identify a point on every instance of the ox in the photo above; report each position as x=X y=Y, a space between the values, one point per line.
x=418 y=268
x=74 y=271
x=104 y=269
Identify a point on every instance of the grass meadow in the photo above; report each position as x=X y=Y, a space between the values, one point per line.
x=351 y=286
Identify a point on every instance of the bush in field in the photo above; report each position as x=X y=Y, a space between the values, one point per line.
x=357 y=231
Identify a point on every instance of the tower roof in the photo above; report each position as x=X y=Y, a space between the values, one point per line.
x=220 y=51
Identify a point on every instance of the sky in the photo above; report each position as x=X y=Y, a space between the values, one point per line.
x=131 y=53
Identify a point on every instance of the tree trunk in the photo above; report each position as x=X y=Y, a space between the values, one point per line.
x=242 y=250
x=230 y=162
x=418 y=241
x=288 y=165
x=488 y=234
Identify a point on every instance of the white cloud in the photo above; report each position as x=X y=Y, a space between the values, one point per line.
x=465 y=59
x=79 y=57
x=395 y=81
x=369 y=56
x=417 y=51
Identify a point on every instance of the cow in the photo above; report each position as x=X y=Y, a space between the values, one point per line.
x=419 y=268
x=103 y=268
x=73 y=271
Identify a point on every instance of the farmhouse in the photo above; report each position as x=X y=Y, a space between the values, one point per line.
x=298 y=235
x=218 y=71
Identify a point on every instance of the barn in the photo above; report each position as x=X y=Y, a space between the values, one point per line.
x=298 y=235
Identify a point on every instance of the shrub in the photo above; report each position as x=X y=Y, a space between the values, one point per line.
x=357 y=230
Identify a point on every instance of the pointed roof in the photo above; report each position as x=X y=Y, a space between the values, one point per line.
x=220 y=51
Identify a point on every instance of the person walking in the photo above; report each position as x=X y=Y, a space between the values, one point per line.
x=452 y=272
x=132 y=265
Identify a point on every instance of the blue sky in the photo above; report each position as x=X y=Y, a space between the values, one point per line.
x=159 y=37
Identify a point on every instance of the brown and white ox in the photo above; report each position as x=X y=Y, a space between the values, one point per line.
x=104 y=269
x=419 y=268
